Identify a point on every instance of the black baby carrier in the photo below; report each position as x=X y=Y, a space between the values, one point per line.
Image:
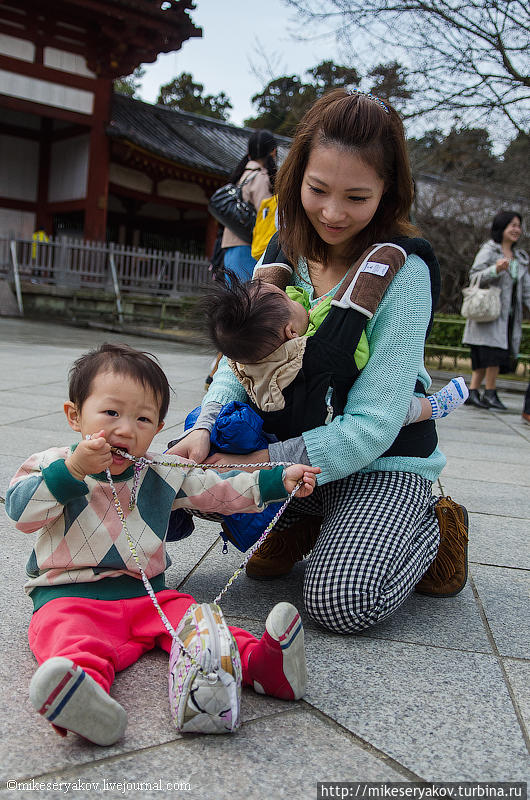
x=319 y=391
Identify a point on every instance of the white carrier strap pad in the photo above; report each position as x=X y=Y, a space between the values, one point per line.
x=369 y=278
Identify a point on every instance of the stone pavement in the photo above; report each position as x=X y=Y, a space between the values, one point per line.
x=438 y=692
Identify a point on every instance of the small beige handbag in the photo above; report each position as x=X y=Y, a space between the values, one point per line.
x=481 y=305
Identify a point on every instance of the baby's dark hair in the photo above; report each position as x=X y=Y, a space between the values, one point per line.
x=245 y=321
x=123 y=360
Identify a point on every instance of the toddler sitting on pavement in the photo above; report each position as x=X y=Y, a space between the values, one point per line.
x=82 y=563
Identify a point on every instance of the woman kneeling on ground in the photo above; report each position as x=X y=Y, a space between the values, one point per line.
x=373 y=528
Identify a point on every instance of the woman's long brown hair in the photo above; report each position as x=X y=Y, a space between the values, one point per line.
x=360 y=125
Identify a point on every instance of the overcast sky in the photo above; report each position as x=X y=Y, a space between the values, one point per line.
x=223 y=58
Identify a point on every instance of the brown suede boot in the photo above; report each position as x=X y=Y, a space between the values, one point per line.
x=282 y=549
x=447 y=574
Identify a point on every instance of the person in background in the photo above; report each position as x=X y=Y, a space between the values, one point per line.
x=255 y=173
x=495 y=345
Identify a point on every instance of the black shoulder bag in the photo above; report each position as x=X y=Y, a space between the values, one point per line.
x=228 y=207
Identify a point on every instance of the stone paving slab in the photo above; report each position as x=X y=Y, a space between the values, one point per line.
x=516 y=450
x=505 y=595
x=439 y=691
x=443 y=714
x=519 y=680
x=273 y=757
x=34 y=403
x=496 y=472
x=501 y=499
x=500 y=541
x=21 y=441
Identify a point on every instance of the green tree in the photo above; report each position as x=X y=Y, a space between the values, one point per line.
x=284 y=100
x=187 y=95
x=465 y=154
x=275 y=103
x=512 y=171
x=423 y=150
x=129 y=84
x=328 y=75
x=390 y=83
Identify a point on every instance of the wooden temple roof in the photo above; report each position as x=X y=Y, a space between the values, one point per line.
x=191 y=140
x=115 y=36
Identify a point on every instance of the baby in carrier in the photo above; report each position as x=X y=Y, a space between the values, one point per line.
x=261 y=329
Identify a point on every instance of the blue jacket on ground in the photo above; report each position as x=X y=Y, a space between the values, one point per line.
x=238 y=429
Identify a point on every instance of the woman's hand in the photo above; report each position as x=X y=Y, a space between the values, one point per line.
x=502 y=264
x=195 y=446
x=304 y=473
x=257 y=457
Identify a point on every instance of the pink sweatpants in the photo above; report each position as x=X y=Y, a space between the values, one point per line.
x=106 y=636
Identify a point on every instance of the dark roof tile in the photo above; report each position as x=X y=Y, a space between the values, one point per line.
x=203 y=143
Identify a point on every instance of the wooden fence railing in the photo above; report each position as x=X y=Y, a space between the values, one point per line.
x=81 y=264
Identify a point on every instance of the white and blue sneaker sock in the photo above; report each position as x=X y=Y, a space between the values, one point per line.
x=448 y=398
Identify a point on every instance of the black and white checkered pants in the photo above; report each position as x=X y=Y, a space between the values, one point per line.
x=379 y=535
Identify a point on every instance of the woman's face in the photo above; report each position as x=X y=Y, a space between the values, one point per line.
x=512 y=231
x=340 y=195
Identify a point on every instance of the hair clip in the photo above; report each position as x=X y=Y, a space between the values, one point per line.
x=370 y=97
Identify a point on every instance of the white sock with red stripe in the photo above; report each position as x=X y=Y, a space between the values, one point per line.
x=277 y=665
x=70 y=699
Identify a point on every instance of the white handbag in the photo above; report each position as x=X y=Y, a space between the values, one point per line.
x=204 y=673
x=481 y=305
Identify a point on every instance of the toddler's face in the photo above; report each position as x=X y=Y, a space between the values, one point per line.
x=126 y=410
x=298 y=316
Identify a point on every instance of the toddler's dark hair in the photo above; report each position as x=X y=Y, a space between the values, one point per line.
x=123 y=360
x=245 y=321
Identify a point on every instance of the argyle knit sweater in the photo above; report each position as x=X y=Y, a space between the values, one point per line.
x=81 y=548
x=378 y=400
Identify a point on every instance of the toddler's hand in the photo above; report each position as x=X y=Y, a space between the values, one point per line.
x=90 y=457
x=301 y=472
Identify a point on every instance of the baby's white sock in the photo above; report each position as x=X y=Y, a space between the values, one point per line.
x=448 y=398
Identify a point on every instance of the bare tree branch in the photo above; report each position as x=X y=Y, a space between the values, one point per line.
x=467 y=58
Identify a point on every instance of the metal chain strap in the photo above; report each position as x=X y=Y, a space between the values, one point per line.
x=139 y=464
x=149 y=589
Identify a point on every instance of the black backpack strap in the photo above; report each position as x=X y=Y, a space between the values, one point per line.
x=275 y=267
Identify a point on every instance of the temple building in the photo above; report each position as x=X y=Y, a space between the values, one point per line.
x=77 y=159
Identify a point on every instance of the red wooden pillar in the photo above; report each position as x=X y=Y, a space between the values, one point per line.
x=98 y=164
x=212 y=226
x=43 y=218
